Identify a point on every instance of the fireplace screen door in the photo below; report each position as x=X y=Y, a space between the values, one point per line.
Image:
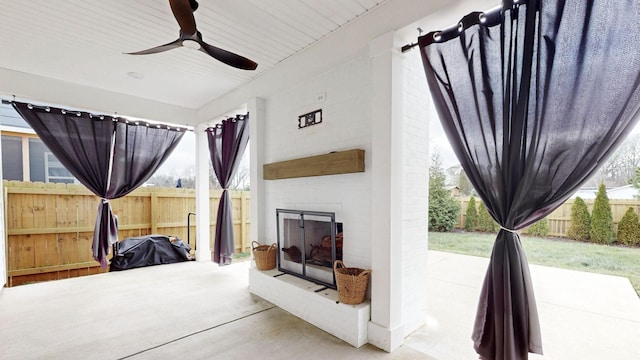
x=309 y=242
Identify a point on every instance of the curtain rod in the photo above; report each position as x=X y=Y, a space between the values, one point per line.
x=410 y=46
x=459 y=27
x=116 y=116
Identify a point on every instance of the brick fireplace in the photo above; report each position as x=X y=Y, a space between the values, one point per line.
x=383 y=207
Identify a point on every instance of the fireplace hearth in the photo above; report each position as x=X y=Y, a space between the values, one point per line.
x=309 y=242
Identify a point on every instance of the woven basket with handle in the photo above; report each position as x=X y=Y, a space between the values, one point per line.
x=264 y=255
x=352 y=283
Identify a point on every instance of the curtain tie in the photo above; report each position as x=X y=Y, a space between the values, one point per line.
x=509 y=230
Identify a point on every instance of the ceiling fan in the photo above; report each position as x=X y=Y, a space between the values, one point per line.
x=192 y=38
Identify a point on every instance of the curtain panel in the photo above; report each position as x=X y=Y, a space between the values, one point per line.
x=110 y=156
x=533 y=97
x=227 y=143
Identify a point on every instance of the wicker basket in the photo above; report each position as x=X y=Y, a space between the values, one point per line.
x=352 y=283
x=264 y=255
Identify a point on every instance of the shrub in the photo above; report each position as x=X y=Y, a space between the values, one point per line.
x=471 y=220
x=601 y=219
x=485 y=221
x=580 y=225
x=540 y=228
x=629 y=228
x=443 y=208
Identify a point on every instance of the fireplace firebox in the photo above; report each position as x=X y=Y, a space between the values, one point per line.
x=309 y=242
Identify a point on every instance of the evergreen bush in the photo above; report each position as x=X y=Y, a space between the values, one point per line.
x=471 y=220
x=601 y=219
x=629 y=228
x=540 y=228
x=443 y=208
x=580 y=225
x=485 y=221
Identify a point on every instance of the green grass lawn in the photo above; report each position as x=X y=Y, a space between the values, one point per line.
x=555 y=252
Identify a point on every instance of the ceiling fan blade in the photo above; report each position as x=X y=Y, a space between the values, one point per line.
x=227 y=57
x=183 y=12
x=154 y=50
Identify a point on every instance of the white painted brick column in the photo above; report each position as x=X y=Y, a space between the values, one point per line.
x=400 y=158
x=256 y=109
x=386 y=326
x=203 y=241
x=415 y=191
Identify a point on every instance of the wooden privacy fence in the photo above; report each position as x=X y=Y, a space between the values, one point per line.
x=49 y=227
x=560 y=219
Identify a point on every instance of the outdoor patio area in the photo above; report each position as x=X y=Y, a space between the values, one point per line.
x=203 y=311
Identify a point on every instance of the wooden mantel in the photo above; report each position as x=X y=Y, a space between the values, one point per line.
x=338 y=162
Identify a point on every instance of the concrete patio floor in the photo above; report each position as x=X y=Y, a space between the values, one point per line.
x=201 y=311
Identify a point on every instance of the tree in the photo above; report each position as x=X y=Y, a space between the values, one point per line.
x=485 y=221
x=629 y=228
x=471 y=219
x=601 y=218
x=457 y=176
x=240 y=180
x=464 y=184
x=540 y=228
x=580 y=225
x=636 y=181
x=443 y=208
x=620 y=168
x=452 y=174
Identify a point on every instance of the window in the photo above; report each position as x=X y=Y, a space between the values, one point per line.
x=12 y=156
x=55 y=172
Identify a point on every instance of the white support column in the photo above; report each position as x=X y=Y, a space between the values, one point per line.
x=385 y=329
x=203 y=237
x=256 y=109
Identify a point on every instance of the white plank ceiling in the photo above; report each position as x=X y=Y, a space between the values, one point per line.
x=83 y=41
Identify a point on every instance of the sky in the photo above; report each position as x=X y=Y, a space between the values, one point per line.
x=182 y=161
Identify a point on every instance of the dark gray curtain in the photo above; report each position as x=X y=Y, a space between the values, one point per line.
x=533 y=98
x=227 y=142
x=110 y=156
